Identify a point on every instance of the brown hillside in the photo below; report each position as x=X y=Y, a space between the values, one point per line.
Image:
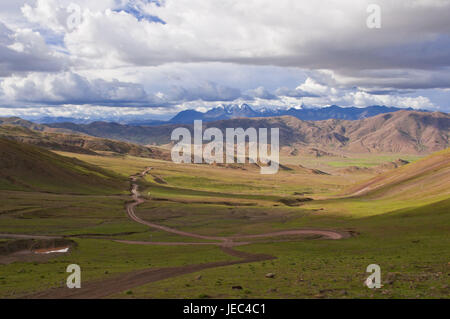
x=78 y=143
x=400 y=132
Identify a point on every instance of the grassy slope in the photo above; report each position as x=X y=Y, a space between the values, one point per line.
x=407 y=238
x=427 y=177
x=29 y=168
x=45 y=193
x=423 y=182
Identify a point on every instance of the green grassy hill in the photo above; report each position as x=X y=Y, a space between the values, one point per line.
x=427 y=177
x=29 y=168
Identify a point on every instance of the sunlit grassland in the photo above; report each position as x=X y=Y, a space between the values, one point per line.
x=247 y=181
x=98 y=259
x=125 y=165
x=410 y=247
x=181 y=179
x=208 y=199
x=407 y=236
x=331 y=163
x=362 y=207
x=233 y=180
x=371 y=161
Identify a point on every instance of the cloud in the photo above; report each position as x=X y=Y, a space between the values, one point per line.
x=49 y=13
x=320 y=34
x=313 y=87
x=54 y=14
x=260 y=93
x=396 y=79
x=208 y=92
x=24 y=50
x=310 y=88
x=91 y=113
x=313 y=93
x=190 y=53
x=295 y=93
x=312 y=35
x=71 y=88
x=362 y=99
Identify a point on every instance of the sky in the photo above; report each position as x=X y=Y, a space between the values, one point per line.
x=153 y=58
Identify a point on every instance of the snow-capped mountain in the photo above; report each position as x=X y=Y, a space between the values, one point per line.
x=231 y=111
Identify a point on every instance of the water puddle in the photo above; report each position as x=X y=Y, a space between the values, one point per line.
x=52 y=250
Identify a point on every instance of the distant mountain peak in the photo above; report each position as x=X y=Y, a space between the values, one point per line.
x=230 y=111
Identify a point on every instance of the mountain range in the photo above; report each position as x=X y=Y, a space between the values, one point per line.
x=403 y=131
x=231 y=111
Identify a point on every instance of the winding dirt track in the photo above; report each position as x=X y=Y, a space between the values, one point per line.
x=120 y=283
x=223 y=241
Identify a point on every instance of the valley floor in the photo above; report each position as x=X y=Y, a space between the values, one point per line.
x=407 y=237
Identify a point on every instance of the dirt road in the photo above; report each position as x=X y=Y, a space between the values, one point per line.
x=225 y=241
x=106 y=287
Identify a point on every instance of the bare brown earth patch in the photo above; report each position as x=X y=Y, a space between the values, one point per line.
x=31 y=249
